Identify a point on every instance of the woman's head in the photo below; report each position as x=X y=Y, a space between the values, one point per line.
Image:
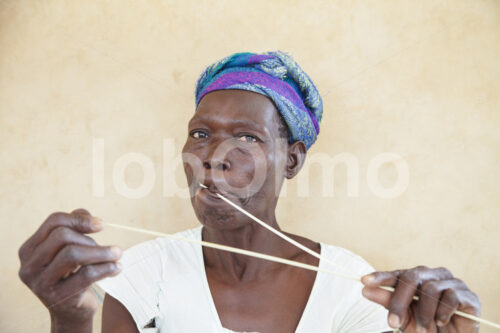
x=256 y=117
x=275 y=75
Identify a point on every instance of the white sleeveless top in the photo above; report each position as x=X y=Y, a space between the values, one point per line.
x=164 y=280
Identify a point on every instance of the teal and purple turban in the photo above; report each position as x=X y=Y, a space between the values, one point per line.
x=273 y=74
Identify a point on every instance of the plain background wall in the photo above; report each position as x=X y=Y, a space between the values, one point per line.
x=420 y=79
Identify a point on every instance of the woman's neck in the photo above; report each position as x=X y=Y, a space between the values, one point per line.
x=252 y=237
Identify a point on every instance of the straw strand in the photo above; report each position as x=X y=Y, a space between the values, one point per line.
x=278 y=260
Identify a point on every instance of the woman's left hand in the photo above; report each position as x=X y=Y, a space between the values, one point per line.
x=440 y=294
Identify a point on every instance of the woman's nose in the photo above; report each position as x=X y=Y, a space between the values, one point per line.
x=217 y=164
x=216 y=155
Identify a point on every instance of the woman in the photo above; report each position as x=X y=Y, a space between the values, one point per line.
x=256 y=116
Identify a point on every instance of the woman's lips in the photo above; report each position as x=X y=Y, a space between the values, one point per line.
x=208 y=197
x=215 y=193
x=211 y=194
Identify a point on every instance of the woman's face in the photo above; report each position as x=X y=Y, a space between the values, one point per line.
x=234 y=147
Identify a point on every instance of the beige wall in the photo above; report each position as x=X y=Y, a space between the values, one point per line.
x=416 y=78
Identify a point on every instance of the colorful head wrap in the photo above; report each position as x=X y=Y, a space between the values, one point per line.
x=273 y=74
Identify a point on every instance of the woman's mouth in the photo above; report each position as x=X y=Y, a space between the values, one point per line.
x=206 y=194
x=214 y=195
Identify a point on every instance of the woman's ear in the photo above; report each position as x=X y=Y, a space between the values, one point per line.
x=296 y=157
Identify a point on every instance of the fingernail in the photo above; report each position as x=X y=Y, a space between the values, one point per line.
x=440 y=323
x=368 y=278
x=96 y=222
x=420 y=329
x=394 y=321
x=119 y=266
x=117 y=252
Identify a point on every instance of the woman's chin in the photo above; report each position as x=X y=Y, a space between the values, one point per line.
x=217 y=218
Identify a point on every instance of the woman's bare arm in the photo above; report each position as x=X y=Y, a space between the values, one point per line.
x=116 y=318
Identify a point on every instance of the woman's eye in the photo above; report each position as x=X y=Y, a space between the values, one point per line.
x=247 y=138
x=199 y=135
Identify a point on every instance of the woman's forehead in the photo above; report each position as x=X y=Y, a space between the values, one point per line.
x=237 y=107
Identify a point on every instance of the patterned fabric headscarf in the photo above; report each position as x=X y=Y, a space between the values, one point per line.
x=273 y=74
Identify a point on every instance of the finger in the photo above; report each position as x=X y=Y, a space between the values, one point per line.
x=79 y=220
x=425 y=309
x=57 y=239
x=81 y=211
x=397 y=303
x=449 y=303
x=431 y=296
x=383 y=297
x=457 y=299
x=404 y=291
x=72 y=256
x=377 y=279
x=377 y=295
x=84 y=278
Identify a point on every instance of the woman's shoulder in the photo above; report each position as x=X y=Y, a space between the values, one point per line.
x=345 y=259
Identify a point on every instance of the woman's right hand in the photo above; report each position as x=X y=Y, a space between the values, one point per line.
x=59 y=263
